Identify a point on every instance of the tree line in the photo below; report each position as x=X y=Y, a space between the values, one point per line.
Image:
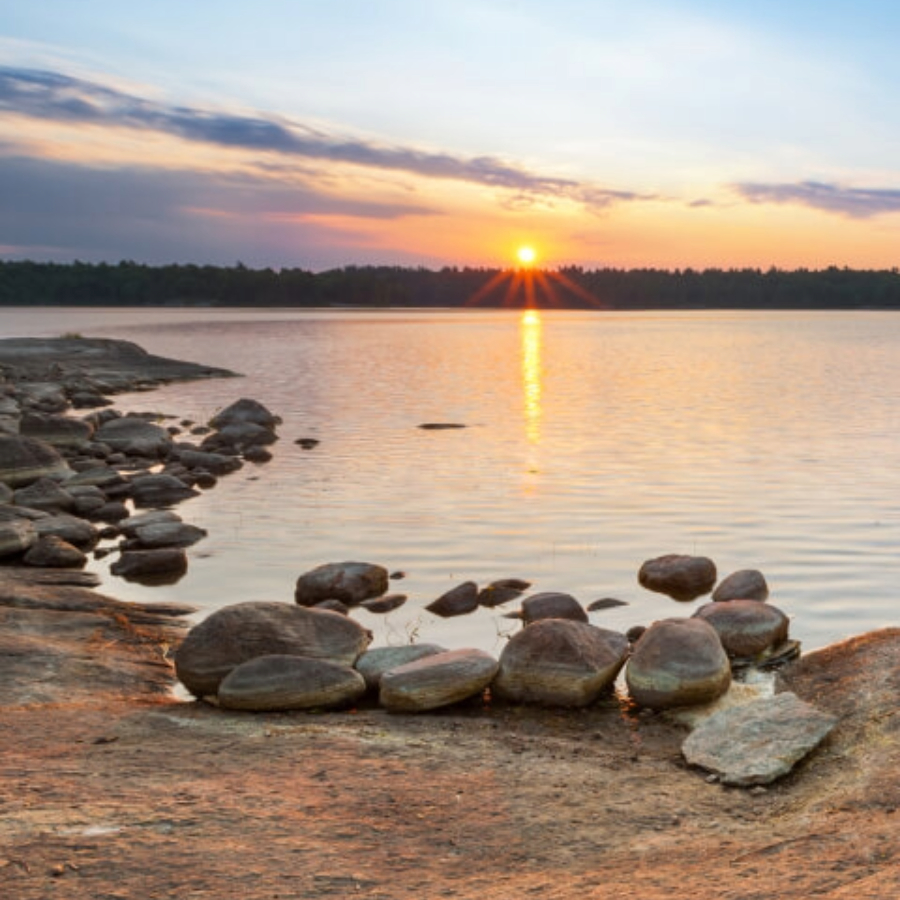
x=135 y=284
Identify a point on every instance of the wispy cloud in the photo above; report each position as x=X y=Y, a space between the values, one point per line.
x=58 y=97
x=855 y=203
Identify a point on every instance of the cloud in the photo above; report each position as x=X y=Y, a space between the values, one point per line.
x=58 y=97
x=855 y=203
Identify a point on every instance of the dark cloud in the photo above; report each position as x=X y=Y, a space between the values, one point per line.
x=59 y=97
x=856 y=203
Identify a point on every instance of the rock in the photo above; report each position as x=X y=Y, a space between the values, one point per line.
x=168 y=534
x=349 y=582
x=135 y=436
x=635 y=633
x=6 y=493
x=129 y=526
x=747 y=584
x=280 y=682
x=307 y=443
x=162 y=565
x=114 y=511
x=245 y=410
x=552 y=605
x=680 y=577
x=54 y=553
x=757 y=742
x=605 y=603
x=88 y=499
x=558 y=662
x=69 y=528
x=334 y=606
x=214 y=463
x=24 y=460
x=440 y=426
x=436 y=681
x=235 y=634
x=677 y=662
x=101 y=476
x=16 y=536
x=45 y=494
x=374 y=663
x=747 y=629
x=58 y=431
x=43 y=396
x=257 y=455
x=384 y=604
x=88 y=400
x=458 y=601
x=502 y=591
x=239 y=437
x=159 y=490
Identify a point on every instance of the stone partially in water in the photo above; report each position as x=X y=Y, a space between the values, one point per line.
x=758 y=742
x=235 y=634
x=746 y=584
x=282 y=682
x=679 y=577
x=677 y=662
x=245 y=410
x=436 y=681
x=385 y=604
x=746 y=628
x=349 y=582
x=502 y=591
x=458 y=601
x=557 y=662
x=161 y=565
x=552 y=605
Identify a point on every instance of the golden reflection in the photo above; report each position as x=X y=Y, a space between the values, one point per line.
x=531 y=373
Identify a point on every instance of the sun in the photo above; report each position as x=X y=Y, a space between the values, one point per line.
x=526 y=255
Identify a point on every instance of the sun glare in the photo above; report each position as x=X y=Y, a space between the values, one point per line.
x=526 y=255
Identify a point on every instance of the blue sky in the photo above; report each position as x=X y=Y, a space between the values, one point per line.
x=311 y=134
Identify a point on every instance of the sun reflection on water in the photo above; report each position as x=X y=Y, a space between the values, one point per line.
x=531 y=373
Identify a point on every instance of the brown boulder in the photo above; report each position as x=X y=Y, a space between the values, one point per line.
x=680 y=577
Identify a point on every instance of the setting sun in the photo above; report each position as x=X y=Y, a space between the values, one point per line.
x=526 y=255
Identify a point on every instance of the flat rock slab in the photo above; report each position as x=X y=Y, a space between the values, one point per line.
x=759 y=742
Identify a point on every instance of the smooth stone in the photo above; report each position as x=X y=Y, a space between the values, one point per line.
x=440 y=426
x=458 y=601
x=88 y=499
x=163 y=564
x=114 y=511
x=53 y=552
x=680 y=577
x=235 y=634
x=334 y=606
x=159 y=490
x=552 y=605
x=374 y=663
x=58 y=431
x=281 y=682
x=746 y=584
x=245 y=410
x=214 y=463
x=135 y=436
x=558 y=662
x=436 y=681
x=98 y=475
x=605 y=603
x=758 y=742
x=168 y=534
x=24 y=460
x=129 y=526
x=45 y=494
x=349 y=582
x=677 y=662
x=746 y=628
x=69 y=528
x=257 y=455
x=502 y=591
x=385 y=604
x=307 y=443
x=239 y=436
x=16 y=536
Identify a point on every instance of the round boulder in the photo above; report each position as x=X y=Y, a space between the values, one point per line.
x=458 y=601
x=245 y=410
x=45 y=494
x=747 y=584
x=558 y=662
x=59 y=431
x=747 y=629
x=552 y=605
x=374 y=663
x=680 y=577
x=135 y=436
x=23 y=460
x=235 y=634
x=69 y=528
x=678 y=662
x=159 y=490
x=280 y=681
x=162 y=565
x=54 y=553
x=349 y=582
x=436 y=681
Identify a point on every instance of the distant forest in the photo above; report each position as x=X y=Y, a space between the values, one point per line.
x=133 y=284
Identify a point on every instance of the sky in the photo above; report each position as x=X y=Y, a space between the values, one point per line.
x=299 y=133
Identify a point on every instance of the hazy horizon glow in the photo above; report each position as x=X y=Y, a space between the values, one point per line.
x=665 y=135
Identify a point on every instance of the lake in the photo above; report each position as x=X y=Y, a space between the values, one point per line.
x=594 y=441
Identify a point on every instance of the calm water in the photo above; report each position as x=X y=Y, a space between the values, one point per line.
x=596 y=440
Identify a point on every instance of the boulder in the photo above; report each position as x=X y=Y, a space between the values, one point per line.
x=502 y=591
x=6 y=493
x=281 y=682
x=257 y=455
x=374 y=663
x=385 y=604
x=558 y=662
x=677 y=662
x=159 y=490
x=239 y=436
x=129 y=526
x=436 y=681
x=457 y=601
x=54 y=553
x=135 y=436
x=88 y=499
x=680 y=577
x=167 y=534
x=58 y=431
x=758 y=742
x=16 y=536
x=44 y=494
x=69 y=528
x=746 y=584
x=99 y=475
x=747 y=629
x=552 y=605
x=214 y=463
x=245 y=410
x=24 y=460
x=235 y=634
x=349 y=582
x=161 y=565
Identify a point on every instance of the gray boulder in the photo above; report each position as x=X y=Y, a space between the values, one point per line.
x=758 y=742
x=45 y=494
x=129 y=526
x=245 y=410
x=374 y=663
x=747 y=629
x=552 y=605
x=349 y=582
x=746 y=584
x=558 y=662
x=214 y=463
x=159 y=490
x=281 y=682
x=680 y=577
x=135 y=436
x=68 y=528
x=167 y=534
x=161 y=565
x=24 y=460
x=235 y=634
x=58 y=431
x=54 y=553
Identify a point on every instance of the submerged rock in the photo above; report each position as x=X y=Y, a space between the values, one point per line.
x=163 y=564
x=557 y=662
x=746 y=584
x=349 y=582
x=680 y=577
x=677 y=662
x=245 y=410
x=385 y=604
x=502 y=591
x=458 y=601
